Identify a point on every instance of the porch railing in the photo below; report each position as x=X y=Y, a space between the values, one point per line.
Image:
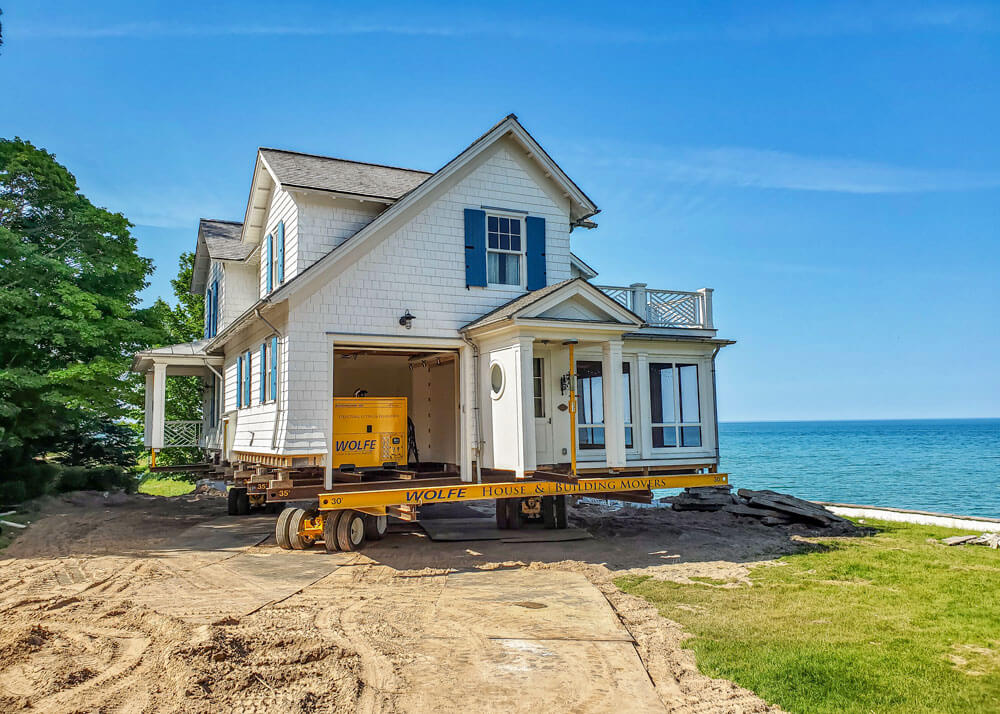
x=181 y=433
x=665 y=308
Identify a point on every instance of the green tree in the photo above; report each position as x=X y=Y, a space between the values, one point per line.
x=69 y=315
x=183 y=322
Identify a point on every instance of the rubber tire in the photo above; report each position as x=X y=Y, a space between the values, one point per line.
x=549 y=512
x=561 y=521
x=294 y=523
x=330 y=522
x=501 y=506
x=243 y=503
x=515 y=517
x=376 y=526
x=351 y=531
x=232 y=505
x=281 y=529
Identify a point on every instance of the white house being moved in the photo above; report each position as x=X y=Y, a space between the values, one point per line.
x=456 y=290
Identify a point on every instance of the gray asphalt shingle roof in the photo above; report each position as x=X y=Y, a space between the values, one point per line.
x=222 y=238
x=509 y=309
x=341 y=175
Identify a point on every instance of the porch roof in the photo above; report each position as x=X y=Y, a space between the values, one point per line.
x=187 y=354
x=518 y=306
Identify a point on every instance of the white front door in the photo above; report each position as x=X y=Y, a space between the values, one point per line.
x=540 y=383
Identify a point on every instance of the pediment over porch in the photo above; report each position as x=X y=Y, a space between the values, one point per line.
x=571 y=303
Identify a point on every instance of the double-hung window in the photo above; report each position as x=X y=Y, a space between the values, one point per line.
x=674 y=404
x=504 y=250
x=538 y=383
x=590 y=404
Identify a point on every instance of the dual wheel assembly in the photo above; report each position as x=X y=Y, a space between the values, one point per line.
x=240 y=502
x=347 y=530
x=512 y=513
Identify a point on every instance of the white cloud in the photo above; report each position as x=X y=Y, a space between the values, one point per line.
x=760 y=168
x=833 y=20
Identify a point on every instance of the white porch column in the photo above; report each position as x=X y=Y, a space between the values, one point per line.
x=159 y=404
x=527 y=412
x=643 y=428
x=614 y=405
x=328 y=421
x=466 y=414
x=706 y=308
x=147 y=431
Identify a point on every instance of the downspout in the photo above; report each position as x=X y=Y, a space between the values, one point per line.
x=278 y=403
x=715 y=408
x=217 y=398
x=475 y=408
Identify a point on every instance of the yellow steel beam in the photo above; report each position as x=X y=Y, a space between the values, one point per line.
x=415 y=495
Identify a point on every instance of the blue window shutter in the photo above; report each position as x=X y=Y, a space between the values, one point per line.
x=274 y=367
x=270 y=262
x=239 y=381
x=535 y=251
x=247 y=378
x=281 y=253
x=213 y=311
x=263 y=372
x=208 y=314
x=475 y=248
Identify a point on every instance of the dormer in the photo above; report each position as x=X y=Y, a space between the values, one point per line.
x=223 y=273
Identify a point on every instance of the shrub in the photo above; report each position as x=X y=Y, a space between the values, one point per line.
x=95 y=478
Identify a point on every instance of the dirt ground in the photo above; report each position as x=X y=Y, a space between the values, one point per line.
x=116 y=604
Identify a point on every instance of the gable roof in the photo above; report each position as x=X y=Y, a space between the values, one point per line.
x=222 y=239
x=217 y=240
x=581 y=207
x=325 y=173
x=510 y=310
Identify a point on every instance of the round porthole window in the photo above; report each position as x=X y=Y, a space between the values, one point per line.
x=496 y=380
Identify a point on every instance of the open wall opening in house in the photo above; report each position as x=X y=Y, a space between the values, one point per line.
x=428 y=381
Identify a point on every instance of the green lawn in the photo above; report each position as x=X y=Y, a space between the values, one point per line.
x=165 y=486
x=891 y=623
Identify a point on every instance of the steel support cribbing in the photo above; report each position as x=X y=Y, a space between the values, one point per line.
x=417 y=495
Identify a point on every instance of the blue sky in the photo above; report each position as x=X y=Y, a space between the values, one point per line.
x=832 y=170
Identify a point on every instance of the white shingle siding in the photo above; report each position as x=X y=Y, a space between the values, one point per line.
x=239 y=291
x=420 y=267
x=255 y=423
x=325 y=223
x=282 y=208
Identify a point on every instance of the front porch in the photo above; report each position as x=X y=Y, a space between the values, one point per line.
x=184 y=360
x=574 y=382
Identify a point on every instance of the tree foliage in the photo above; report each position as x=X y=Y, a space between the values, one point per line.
x=69 y=314
x=183 y=322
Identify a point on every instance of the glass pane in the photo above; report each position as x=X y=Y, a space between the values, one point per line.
x=504 y=242
x=505 y=225
x=592 y=437
x=689 y=392
x=494 y=241
x=537 y=371
x=513 y=270
x=664 y=436
x=627 y=392
x=515 y=242
x=515 y=226
x=628 y=437
x=590 y=393
x=690 y=436
x=494 y=223
x=493 y=267
x=661 y=393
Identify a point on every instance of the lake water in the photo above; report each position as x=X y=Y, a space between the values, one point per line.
x=947 y=466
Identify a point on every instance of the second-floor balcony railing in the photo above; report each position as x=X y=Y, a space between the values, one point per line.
x=665 y=308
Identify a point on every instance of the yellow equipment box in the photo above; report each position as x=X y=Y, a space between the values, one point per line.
x=369 y=431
